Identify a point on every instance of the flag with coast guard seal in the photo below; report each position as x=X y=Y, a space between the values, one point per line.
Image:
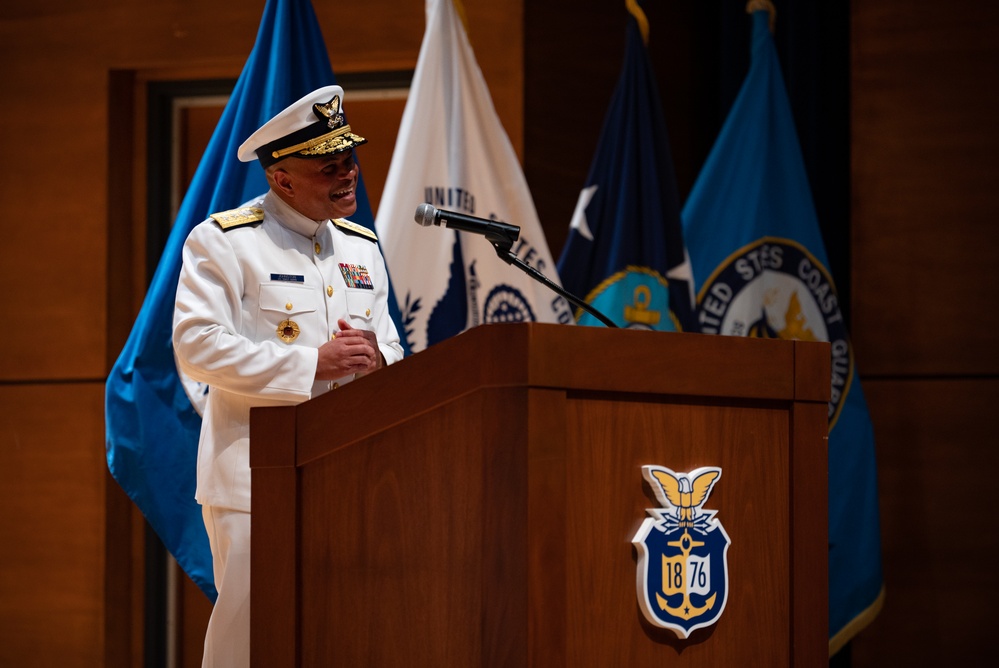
x=625 y=254
x=152 y=426
x=453 y=153
x=757 y=254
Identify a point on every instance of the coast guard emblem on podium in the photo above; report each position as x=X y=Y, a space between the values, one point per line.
x=682 y=553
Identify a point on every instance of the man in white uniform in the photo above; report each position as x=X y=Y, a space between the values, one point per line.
x=278 y=301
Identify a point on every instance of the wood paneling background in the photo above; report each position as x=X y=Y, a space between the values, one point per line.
x=924 y=288
x=925 y=172
x=925 y=195
x=939 y=527
x=52 y=474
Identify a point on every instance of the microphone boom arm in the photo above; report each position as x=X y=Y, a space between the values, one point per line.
x=503 y=251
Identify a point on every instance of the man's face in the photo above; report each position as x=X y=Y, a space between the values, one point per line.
x=320 y=188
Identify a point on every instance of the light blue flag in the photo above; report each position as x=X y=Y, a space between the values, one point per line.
x=152 y=427
x=625 y=254
x=759 y=261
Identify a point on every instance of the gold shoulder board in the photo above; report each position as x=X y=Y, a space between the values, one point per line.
x=354 y=228
x=233 y=218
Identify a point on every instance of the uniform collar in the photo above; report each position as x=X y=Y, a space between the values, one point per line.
x=289 y=217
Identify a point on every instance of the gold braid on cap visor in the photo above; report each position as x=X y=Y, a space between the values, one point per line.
x=332 y=142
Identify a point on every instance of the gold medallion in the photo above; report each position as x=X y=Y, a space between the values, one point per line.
x=288 y=331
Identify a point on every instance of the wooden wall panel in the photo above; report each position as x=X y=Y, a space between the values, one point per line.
x=936 y=455
x=924 y=320
x=52 y=472
x=194 y=611
x=925 y=201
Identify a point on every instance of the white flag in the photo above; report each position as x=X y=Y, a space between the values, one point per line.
x=453 y=153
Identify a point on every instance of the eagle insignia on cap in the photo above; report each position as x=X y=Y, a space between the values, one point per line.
x=315 y=125
x=330 y=111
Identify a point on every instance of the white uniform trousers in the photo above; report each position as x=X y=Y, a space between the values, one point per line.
x=227 y=642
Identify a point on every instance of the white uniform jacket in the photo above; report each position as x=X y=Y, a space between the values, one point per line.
x=254 y=303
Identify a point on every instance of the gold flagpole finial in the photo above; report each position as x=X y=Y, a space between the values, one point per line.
x=760 y=5
x=643 y=23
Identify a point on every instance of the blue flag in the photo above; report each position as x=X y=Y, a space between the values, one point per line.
x=625 y=254
x=758 y=257
x=152 y=426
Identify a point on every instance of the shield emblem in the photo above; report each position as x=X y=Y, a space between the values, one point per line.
x=682 y=553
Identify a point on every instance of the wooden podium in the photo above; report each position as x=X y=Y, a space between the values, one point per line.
x=474 y=504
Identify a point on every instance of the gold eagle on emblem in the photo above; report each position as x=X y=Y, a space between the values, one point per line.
x=683 y=494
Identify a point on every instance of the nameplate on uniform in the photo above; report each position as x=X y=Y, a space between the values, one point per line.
x=290 y=278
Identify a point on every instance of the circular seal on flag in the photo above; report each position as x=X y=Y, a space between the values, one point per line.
x=637 y=297
x=775 y=288
x=506 y=304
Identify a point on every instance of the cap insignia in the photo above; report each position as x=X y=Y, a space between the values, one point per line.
x=330 y=112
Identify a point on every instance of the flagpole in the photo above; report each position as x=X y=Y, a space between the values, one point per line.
x=763 y=5
x=643 y=22
x=511 y=258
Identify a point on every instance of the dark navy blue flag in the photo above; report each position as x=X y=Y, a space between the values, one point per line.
x=625 y=252
x=152 y=425
x=762 y=271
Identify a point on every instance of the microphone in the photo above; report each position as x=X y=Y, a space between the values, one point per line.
x=495 y=231
x=501 y=236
